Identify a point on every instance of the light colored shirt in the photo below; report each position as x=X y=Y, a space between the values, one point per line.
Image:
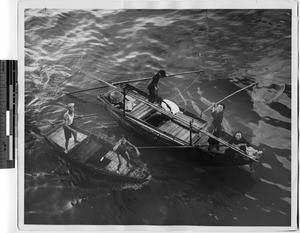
x=69 y=118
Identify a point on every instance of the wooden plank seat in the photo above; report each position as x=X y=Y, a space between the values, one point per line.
x=142 y=111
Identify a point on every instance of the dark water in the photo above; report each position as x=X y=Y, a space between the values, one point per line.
x=234 y=47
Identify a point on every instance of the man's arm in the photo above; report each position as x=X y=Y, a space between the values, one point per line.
x=134 y=147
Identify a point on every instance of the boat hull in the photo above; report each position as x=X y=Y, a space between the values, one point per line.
x=159 y=138
x=92 y=166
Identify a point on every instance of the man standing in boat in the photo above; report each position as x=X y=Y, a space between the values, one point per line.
x=217 y=114
x=122 y=148
x=68 y=125
x=152 y=85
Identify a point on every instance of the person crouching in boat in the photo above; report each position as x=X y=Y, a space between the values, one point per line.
x=217 y=114
x=68 y=125
x=152 y=85
x=238 y=141
x=123 y=148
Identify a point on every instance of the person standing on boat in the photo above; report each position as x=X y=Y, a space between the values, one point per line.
x=122 y=148
x=68 y=125
x=152 y=85
x=217 y=114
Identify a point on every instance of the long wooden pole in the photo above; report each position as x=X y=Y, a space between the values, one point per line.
x=166 y=147
x=183 y=73
x=91 y=129
x=127 y=81
x=231 y=95
x=75 y=118
x=172 y=147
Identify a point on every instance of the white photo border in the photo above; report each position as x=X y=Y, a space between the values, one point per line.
x=158 y=4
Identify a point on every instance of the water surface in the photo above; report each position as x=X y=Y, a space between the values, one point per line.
x=233 y=47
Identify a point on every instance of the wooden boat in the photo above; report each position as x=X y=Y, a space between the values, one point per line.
x=181 y=130
x=94 y=154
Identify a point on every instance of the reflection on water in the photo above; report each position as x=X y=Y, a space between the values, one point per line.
x=234 y=48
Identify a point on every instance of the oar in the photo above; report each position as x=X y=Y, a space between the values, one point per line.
x=75 y=118
x=231 y=95
x=127 y=81
x=183 y=73
x=98 y=79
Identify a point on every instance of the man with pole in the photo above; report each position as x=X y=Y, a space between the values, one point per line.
x=152 y=85
x=217 y=114
x=68 y=125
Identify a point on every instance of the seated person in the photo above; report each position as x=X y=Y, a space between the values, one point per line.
x=238 y=141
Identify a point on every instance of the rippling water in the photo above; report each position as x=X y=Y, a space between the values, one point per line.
x=233 y=47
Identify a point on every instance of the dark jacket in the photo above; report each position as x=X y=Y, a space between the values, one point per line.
x=241 y=141
x=217 y=120
x=154 y=81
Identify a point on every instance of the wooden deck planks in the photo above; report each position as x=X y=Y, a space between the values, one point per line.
x=165 y=126
x=176 y=130
x=181 y=134
x=186 y=118
x=170 y=127
x=186 y=137
x=138 y=111
x=110 y=155
x=136 y=107
x=59 y=138
x=145 y=112
x=113 y=165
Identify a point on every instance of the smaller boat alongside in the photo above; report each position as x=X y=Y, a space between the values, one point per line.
x=94 y=154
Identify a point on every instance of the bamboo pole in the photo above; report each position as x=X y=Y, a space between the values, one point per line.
x=60 y=121
x=90 y=131
x=126 y=81
x=231 y=95
x=172 y=147
x=166 y=147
